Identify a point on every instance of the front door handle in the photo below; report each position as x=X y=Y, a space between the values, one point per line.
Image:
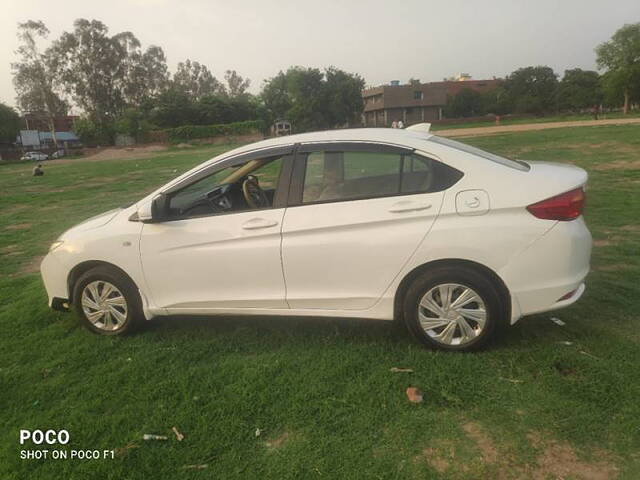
x=256 y=223
x=408 y=206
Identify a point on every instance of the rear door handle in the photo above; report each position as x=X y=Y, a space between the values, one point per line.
x=408 y=206
x=256 y=223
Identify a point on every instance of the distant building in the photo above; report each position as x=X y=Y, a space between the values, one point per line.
x=461 y=77
x=410 y=103
x=480 y=86
x=415 y=103
x=37 y=139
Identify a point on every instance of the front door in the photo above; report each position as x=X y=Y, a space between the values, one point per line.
x=218 y=249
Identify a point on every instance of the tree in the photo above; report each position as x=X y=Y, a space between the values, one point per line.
x=92 y=66
x=92 y=133
x=305 y=88
x=275 y=97
x=195 y=80
x=532 y=89
x=146 y=73
x=34 y=76
x=414 y=81
x=466 y=103
x=343 y=97
x=236 y=85
x=106 y=74
x=171 y=109
x=174 y=108
x=133 y=123
x=621 y=57
x=614 y=83
x=9 y=124
x=312 y=99
x=579 y=89
x=496 y=101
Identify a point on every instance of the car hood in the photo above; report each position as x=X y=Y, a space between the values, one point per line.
x=93 y=222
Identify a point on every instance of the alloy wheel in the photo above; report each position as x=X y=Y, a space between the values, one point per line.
x=452 y=314
x=104 y=305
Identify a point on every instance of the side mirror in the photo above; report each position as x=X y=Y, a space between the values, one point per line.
x=154 y=211
x=159 y=208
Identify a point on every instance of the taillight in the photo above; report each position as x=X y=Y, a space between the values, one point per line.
x=566 y=206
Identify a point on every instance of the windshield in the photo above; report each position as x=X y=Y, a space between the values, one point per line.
x=507 y=162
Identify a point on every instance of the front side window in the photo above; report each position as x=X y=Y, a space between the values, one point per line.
x=247 y=186
x=338 y=176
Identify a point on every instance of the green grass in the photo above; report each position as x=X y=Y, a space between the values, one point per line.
x=568 y=117
x=321 y=390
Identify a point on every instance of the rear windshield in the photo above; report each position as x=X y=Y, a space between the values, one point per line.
x=507 y=162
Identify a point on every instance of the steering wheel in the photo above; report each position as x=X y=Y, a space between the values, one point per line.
x=253 y=194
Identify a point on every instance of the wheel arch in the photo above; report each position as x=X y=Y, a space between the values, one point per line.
x=76 y=272
x=503 y=291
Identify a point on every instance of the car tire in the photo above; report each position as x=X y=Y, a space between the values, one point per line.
x=444 y=324
x=108 y=302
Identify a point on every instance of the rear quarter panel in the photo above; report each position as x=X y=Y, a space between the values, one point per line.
x=497 y=237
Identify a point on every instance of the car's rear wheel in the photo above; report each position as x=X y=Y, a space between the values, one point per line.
x=453 y=308
x=107 y=301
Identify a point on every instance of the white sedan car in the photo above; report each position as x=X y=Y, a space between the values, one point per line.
x=369 y=223
x=35 y=156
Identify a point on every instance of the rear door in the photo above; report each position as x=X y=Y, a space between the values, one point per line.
x=357 y=213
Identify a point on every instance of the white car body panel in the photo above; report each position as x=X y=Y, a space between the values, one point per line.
x=328 y=248
x=343 y=258
x=213 y=262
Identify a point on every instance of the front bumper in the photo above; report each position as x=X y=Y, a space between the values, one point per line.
x=54 y=276
x=60 y=304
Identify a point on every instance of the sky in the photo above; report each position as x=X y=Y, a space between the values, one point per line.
x=380 y=40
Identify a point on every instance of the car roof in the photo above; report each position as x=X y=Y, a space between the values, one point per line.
x=393 y=136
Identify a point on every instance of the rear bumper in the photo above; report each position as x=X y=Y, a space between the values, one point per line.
x=549 y=269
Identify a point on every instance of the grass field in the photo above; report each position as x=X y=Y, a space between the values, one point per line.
x=546 y=401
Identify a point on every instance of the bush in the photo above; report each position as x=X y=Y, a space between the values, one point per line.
x=133 y=124
x=192 y=132
x=174 y=108
x=92 y=133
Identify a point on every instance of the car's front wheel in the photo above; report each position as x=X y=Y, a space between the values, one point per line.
x=453 y=308
x=107 y=301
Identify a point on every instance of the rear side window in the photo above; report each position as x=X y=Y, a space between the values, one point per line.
x=338 y=176
x=423 y=175
x=507 y=162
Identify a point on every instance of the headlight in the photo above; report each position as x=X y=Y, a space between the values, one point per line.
x=55 y=245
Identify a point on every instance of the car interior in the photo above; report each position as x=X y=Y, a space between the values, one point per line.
x=329 y=176
x=248 y=186
x=350 y=175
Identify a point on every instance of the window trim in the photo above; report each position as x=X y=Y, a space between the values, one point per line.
x=364 y=146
